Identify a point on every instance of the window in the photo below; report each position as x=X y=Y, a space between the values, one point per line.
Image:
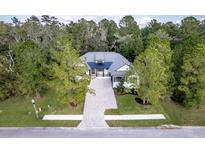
x=117 y=79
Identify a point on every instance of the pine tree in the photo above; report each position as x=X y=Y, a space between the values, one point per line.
x=193 y=77
x=69 y=71
x=29 y=68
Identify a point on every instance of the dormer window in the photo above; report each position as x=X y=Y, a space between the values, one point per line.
x=99 y=61
x=99 y=58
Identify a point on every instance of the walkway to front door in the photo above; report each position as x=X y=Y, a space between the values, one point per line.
x=96 y=104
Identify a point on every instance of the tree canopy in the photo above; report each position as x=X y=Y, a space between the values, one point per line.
x=167 y=57
x=69 y=72
x=152 y=70
x=193 y=77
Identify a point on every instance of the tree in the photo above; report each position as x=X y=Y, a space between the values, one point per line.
x=94 y=38
x=18 y=32
x=193 y=77
x=38 y=44
x=76 y=31
x=49 y=32
x=15 y=21
x=173 y=31
x=108 y=30
x=7 y=75
x=43 y=32
x=152 y=27
x=190 y=35
x=160 y=41
x=29 y=68
x=7 y=86
x=34 y=29
x=129 y=40
x=86 y=36
x=149 y=68
x=69 y=73
x=151 y=74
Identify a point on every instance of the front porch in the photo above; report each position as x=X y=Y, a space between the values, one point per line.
x=99 y=72
x=116 y=80
x=99 y=69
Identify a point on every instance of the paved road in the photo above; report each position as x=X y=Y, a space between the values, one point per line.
x=148 y=132
x=96 y=104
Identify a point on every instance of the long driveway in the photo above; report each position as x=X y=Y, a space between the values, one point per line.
x=96 y=104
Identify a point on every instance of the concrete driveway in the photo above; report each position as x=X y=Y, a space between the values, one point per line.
x=96 y=104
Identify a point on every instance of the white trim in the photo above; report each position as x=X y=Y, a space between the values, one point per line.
x=123 y=68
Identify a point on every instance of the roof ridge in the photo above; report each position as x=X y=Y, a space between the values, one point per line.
x=122 y=58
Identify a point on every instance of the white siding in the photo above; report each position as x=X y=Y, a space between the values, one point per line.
x=123 y=68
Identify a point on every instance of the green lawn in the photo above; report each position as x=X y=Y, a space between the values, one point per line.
x=128 y=105
x=175 y=114
x=19 y=112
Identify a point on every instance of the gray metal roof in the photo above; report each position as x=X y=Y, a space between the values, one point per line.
x=117 y=59
x=100 y=56
x=118 y=73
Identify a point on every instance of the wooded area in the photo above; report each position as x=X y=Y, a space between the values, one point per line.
x=44 y=53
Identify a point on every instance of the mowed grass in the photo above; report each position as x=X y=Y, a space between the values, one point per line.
x=180 y=115
x=174 y=113
x=19 y=112
x=128 y=105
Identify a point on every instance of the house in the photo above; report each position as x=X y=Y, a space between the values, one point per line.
x=104 y=64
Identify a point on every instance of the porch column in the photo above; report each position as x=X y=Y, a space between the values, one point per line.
x=113 y=80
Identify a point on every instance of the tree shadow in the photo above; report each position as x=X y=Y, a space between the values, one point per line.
x=140 y=101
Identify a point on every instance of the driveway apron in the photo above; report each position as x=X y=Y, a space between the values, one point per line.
x=96 y=104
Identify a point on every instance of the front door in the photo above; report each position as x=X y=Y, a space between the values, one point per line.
x=100 y=72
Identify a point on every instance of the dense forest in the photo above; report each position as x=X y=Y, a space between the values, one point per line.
x=41 y=53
